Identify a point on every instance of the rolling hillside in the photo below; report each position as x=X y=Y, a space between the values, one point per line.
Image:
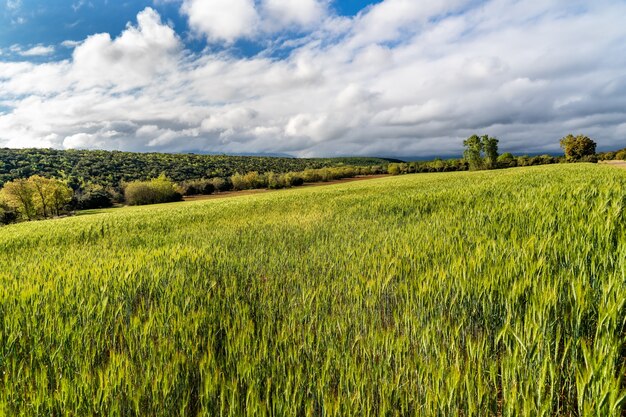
x=108 y=168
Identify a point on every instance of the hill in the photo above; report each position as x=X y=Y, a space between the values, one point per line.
x=482 y=293
x=108 y=168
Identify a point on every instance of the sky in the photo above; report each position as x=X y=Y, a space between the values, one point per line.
x=308 y=78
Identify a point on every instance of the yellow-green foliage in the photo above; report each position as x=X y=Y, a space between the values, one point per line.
x=157 y=190
x=36 y=196
x=463 y=294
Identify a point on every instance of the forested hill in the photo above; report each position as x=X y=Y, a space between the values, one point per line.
x=110 y=167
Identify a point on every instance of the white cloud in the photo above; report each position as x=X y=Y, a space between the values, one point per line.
x=230 y=20
x=286 y=13
x=402 y=78
x=70 y=44
x=135 y=58
x=39 y=50
x=222 y=20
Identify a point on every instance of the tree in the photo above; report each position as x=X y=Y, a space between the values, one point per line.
x=60 y=195
x=490 y=146
x=49 y=195
x=92 y=196
x=19 y=195
x=473 y=152
x=577 y=147
x=42 y=193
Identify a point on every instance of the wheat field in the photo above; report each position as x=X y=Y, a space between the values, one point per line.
x=498 y=293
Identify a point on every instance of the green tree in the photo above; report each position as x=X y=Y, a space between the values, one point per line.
x=473 y=152
x=93 y=196
x=577 y=147
x=49 y=195
x=41 y=187
x=60 y=195
x=19 y=195
x=490 y=147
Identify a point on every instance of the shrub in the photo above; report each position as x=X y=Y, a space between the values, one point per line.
x=276 y=181
x=93 y=197
x=621 y=155
x=158 y=190
x=255 y=180
x=294 y=179
x=589 y=158
x=7 y=214
x=394 y=169
x=221 y=184
x=195 y=187
x=507 y=160
x=239 y=182
x=311 y=175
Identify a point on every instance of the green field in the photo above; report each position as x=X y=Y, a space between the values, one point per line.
x=497 y=293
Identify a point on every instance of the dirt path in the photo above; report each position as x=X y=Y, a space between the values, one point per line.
x=618 y=164
x=228 y=194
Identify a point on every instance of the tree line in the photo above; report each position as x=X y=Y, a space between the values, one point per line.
x=38 y=197
x=163 y=189
x=111 y=168
x=481 y=153
x=41 y=196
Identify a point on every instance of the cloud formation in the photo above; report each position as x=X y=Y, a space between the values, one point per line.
x=39 y=50
x=229 y=20
x=401 y=78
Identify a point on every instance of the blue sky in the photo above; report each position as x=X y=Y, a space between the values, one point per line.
x=311 y=77
x=29 y=23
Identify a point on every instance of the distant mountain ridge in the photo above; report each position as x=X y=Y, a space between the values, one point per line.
x=109 y=168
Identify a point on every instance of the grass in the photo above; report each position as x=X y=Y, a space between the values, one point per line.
x=486 y=294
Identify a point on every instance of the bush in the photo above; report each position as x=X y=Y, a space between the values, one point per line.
x=276 y=181
x=609 y=156
x=294 y=179
x=621 y=155
x=195 y=187
x=507 y=160
x=239 y=182
x=221 y=184
x=255 y=180
x=7 y=214
x=93 y=197
x=394 y=169
x=311 y=175
x=159 y=190
x=589 y=158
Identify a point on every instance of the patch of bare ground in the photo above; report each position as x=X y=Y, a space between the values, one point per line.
x=619 y=164
x=228 y=194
